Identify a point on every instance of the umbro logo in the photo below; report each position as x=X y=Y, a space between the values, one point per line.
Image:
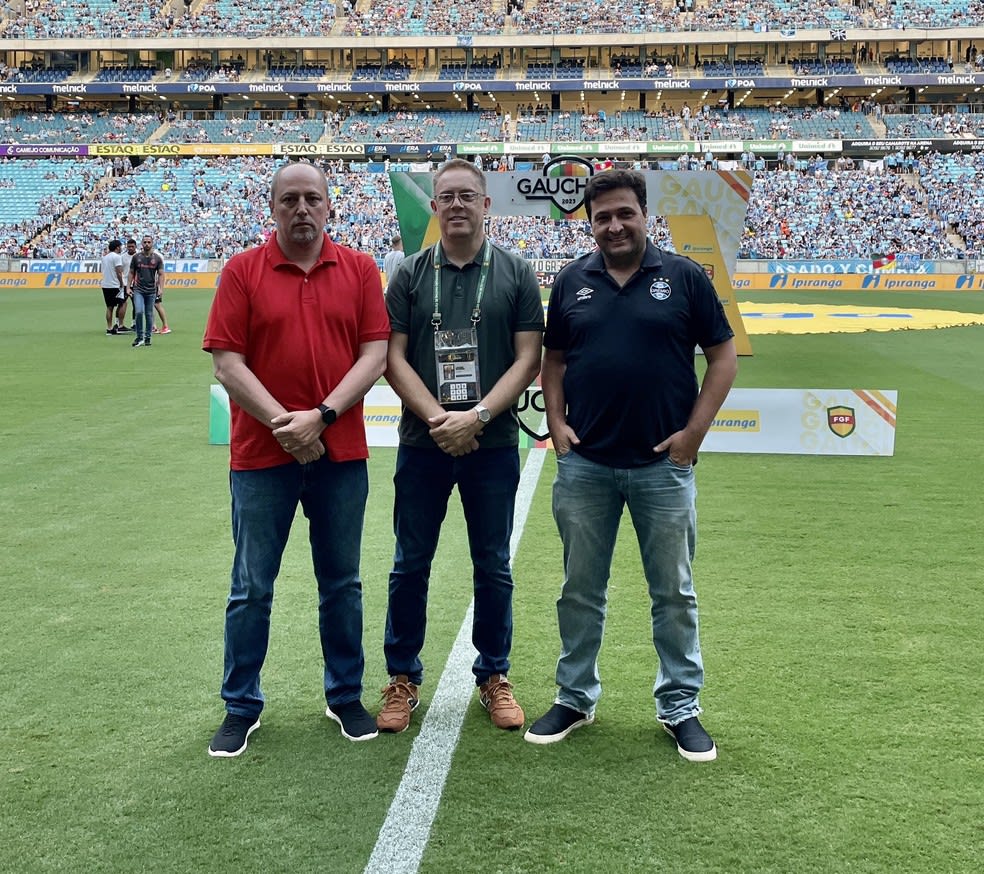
x=584 y=293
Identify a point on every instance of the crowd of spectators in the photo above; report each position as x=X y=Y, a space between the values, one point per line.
x=847 y=214
x=243 y=129
x=942 y=124
x=252 y=18
x=180 y=204
x=403 y=17
x=86 y=19
x=25 y=212
x=215 y=206
x=955 y=190
x=77 y=127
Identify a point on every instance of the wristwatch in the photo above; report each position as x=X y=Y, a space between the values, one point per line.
x=484 y=416
x=328 y=415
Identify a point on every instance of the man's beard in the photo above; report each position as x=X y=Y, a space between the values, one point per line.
x=303 y=234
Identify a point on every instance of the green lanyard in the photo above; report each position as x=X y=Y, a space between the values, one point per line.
x=483 y=277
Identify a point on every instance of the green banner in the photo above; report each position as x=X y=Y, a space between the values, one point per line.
x=412 y=194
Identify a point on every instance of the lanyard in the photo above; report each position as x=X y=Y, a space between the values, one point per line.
x=482 y=279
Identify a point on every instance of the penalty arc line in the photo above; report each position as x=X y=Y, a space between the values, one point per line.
x=406 y=829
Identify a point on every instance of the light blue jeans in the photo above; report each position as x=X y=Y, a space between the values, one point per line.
x=333 y=496
x=588 y=499
x=143 y=308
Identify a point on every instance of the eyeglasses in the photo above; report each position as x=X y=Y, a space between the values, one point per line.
x=466 y=197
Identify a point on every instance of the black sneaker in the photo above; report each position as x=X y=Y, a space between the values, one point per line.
x=354 y=719
x=558 y=722
x=137 y=342
x=146 y=342
x=233 y=735
x=693 y=743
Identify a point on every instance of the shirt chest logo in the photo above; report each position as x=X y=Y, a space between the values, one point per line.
x=660 y=289
x=584 y=293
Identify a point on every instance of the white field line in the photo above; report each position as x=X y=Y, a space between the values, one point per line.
x=404 y=834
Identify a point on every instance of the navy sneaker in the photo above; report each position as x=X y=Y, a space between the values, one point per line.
x=558 y=722
x=354 y=719
x=693 y=743
x=233 y=735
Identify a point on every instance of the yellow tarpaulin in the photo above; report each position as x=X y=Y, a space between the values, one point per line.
x=791 y=318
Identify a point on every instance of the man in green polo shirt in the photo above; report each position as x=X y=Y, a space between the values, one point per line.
x=467 y=323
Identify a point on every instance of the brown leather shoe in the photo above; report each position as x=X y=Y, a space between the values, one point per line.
x=399 y=701
x=497 y=697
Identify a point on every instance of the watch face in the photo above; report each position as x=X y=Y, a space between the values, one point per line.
x=328 y=415
x=484 y=415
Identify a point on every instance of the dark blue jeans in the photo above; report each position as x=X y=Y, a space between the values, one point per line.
x=264 y=502
x=487 y=481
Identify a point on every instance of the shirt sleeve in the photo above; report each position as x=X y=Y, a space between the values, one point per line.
x=711 y=326
x=227 y=327
x=556 y=333
x=398 y=299
x=530 y=309
x=374 y=322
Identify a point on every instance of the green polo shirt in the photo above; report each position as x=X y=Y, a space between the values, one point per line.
x=511 y=304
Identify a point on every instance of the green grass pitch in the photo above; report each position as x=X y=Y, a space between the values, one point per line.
x=841 y=606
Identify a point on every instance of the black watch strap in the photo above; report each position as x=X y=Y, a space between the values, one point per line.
x=328 y=415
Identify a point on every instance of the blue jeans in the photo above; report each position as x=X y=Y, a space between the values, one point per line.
x=487 y=480
x=264 y=502
x=143 y=308
x=588 y=499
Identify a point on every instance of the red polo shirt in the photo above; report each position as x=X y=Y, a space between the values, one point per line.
x=300 y=334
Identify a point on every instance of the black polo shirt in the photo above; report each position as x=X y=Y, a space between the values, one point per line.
x=630 y=380
x=511 y=304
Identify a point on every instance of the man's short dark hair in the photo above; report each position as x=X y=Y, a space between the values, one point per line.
x=462 y=164
x=115 y=245
x=612 y=180
x=131 y=240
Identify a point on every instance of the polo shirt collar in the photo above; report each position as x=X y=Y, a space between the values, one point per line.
x=277 y=259
x=442 y=257
x=652 y=259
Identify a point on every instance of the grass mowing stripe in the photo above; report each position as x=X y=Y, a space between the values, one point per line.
x=403 y=836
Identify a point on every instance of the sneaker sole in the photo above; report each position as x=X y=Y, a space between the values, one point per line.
x=706 y=756
x=553 y=738
x=222 y=754
x=350 y=737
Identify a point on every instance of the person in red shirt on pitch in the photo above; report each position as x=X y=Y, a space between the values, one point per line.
x=298 y=334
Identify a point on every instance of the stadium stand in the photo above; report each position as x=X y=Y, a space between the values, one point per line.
x=36 y=193
x=208 y=207
x=254 y=126
x=74 y=18
x=924 y=203
x=77 y=127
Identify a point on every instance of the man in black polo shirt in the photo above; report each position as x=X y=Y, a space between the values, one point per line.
x=467 y=325
x=626 y=419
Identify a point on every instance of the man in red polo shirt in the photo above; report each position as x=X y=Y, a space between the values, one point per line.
x=298 y=334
